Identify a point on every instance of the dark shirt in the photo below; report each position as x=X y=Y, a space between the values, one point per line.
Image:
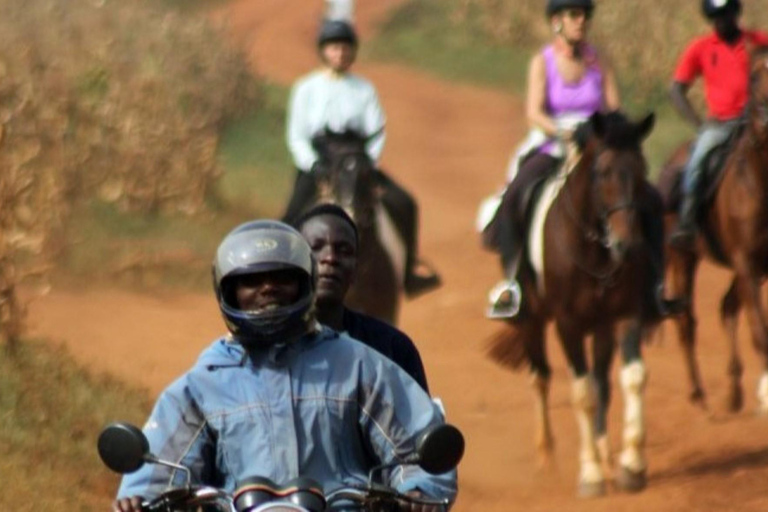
x=387 y=340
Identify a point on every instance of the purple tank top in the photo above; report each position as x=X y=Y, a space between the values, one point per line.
x=584 y=97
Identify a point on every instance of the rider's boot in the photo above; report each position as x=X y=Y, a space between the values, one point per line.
x=419 y=277
x=684 y=236
x=506 y=297
x=660 y=307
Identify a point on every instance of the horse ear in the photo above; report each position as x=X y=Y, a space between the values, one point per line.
x=645 y=126
x=597 y=122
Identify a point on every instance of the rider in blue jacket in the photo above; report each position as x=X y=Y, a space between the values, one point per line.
x=281 y=396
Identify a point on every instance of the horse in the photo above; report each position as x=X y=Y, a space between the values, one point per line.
x=734 y=234
x=588 y=279
x=348 y=177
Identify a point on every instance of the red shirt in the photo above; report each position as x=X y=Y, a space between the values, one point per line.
x=725 y=69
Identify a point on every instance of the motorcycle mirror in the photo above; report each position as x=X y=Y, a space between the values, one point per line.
x=439 y=449
x=123 y=447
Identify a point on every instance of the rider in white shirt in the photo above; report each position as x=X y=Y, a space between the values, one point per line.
x=334 y=98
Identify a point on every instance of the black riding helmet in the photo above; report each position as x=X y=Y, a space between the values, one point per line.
x=554 y=6
x=336 y=30
x=715 y=8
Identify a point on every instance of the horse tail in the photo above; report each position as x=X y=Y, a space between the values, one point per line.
x=507 y=348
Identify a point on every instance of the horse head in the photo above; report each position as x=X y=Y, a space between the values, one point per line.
x=614 y=155
x=346 y=174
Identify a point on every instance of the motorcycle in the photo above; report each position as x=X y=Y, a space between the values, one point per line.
x=124 y=449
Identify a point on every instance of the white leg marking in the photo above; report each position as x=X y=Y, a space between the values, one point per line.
x=633 y=378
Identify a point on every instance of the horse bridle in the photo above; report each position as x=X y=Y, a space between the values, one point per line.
x=343 y=158
x=591 y=234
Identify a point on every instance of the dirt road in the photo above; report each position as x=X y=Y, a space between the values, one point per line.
x=449 y=145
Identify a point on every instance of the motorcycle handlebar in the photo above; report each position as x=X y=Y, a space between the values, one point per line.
x=365 y=496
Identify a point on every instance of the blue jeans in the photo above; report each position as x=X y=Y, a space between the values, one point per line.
x=711 y=135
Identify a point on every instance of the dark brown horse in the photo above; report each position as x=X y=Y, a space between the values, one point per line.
x=347 y=177
x=734 y=226
x=589 y=280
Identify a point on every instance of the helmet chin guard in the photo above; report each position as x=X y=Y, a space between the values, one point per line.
x=260 y=247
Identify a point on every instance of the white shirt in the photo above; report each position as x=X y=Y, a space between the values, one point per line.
x=322 y=100
x=340 y=10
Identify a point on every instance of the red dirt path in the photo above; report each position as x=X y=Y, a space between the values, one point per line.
x=449 y=144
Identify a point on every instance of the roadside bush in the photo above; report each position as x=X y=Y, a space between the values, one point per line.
x=100 y=97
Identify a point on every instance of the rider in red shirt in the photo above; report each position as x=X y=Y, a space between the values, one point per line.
x=722 y=58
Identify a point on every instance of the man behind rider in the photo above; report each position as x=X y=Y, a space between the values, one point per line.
x=335 y=99
x=332 y=236
x=568 y=81
x=281 y=396
x=722 y=58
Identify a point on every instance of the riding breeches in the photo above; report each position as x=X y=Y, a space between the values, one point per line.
x=511 y=214
x=304 y=194
x=711 y=135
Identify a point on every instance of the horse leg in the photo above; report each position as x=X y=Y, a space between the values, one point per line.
x=683 y=267
x=541 y=371
x=749 y=292
x=729 y=311
x=603 y=348
x=591 y=479
x=633 y=376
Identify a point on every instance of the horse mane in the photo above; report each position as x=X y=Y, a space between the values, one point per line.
x=618 y=131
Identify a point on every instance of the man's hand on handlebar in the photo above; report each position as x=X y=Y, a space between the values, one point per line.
x=415 y=506
x=132 y=504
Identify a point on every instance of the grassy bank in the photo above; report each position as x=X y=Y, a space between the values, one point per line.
x=52 y=413
x=144 y=250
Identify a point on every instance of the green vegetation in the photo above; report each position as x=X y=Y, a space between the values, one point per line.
x=52 y=412
x=421 y=34
x=258 y=170
x=140 y=249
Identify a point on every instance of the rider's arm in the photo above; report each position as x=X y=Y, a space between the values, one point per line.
x=679 y=95
x=394 y=411
x=375 y=122
x=176 y=433
x=298 y=134
x=536 y=101
x=687 y=70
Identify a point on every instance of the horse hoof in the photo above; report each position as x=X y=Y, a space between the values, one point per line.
x=631 y=481
x=591 y=489
x=698 y=399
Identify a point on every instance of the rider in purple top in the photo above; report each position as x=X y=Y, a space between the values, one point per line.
x=574 y=101
x=567 y=82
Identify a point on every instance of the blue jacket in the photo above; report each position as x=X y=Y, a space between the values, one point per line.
x=326 y=407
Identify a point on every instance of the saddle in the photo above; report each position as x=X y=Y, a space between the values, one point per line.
x=671 y=188
x=487 y=220
x=671 y=182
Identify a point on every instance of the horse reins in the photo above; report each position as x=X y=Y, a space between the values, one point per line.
x=593 y=235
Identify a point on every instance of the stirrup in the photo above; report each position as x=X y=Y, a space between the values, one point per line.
x=504 y=300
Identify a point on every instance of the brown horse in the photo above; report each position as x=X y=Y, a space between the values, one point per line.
x=347 y=177
x=735 y=234
x=589 y=281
